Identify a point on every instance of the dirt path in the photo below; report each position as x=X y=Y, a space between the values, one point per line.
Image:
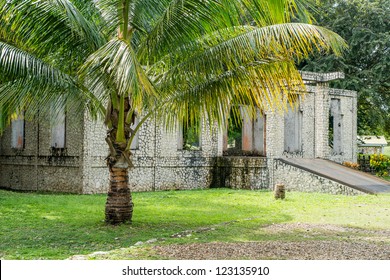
x=346 y=244
x=277 y=250
x=315 y=242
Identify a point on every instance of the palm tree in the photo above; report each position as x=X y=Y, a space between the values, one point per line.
x=176 y=59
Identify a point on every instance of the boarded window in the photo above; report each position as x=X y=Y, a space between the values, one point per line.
x=259 y=134
x=58 y=128
x=293 y=128
x=17 y=128
x=247 y=130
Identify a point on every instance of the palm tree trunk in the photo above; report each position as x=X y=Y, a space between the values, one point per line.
x=119 y=205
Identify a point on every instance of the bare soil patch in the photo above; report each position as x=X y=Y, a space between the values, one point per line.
x=349 y=244
x=303 y=250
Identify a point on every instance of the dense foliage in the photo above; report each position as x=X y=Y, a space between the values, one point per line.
x=380 y=164
x=365 y=25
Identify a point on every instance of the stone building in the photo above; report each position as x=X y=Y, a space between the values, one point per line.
x=69 y=155
x=371 y=144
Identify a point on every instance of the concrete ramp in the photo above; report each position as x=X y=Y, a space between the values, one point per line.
x=347 y=176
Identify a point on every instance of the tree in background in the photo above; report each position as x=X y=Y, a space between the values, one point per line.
x=179 y=60
x=365 y=25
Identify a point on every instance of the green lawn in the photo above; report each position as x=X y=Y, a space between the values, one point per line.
x=387 y=151
x=50 y=226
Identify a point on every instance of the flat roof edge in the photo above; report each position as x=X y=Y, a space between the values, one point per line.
x=321 y=77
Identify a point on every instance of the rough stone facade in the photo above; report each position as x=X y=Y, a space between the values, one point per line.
x=240 y=173
x=296 y=179
x=160 y=161
x=37 y=166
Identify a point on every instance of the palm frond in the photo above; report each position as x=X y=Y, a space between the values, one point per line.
x=216 y=54
x=115 y=64
x=183 y=57
x=184 y=21
x=264 y=85
x=48 y=25
x=16 y=63
x=34 y=97
x=34 y=85
x=270 y=12
x=181 y=22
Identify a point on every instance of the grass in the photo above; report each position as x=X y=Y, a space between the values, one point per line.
x=387 y=151
x=54 y=226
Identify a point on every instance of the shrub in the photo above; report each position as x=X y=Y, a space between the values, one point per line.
x=380 y=164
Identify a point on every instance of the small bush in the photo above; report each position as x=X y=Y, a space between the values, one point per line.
x=380 y=164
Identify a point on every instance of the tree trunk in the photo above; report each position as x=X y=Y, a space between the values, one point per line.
x=119 y=205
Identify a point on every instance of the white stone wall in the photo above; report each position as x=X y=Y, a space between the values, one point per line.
x=309 y=124
x=314 y=107
x=296 y=179
x=159 y=163
x=274 y=134
x=240 y=173
x=95 y=150
x=321 y=120
x=175 y=168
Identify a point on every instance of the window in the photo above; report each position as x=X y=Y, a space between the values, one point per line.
x=58 y=128
x=189 y=137
x=17 y=131
x=234 y=136
x=293 y=128
x=245 y=136
x=335 y=127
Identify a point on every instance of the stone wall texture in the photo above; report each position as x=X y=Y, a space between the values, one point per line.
x=296 y=179
x=240 y=172
x=37 y=167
